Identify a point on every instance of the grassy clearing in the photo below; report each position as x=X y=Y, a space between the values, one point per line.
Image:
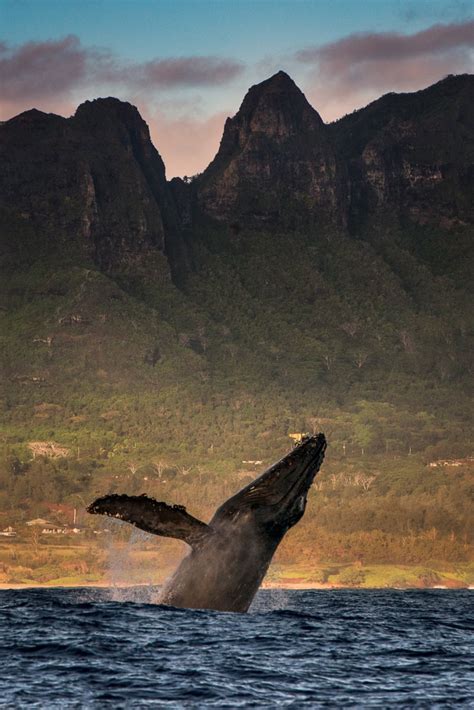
x=442 y=574
x=125 y=563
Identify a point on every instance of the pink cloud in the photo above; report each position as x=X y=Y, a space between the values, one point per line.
x=184 y=71
x=40 y=70
x=371 y=46
x=356 y=69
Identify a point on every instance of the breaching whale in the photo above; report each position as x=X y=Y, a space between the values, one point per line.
x=230 y=556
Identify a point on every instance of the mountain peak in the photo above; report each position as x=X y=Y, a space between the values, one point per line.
x=276 y=110
x=281 y=81
x=277 y=107
x=105 y=110
x=114 y=119
x=273 y=152
x=35 y=117
x=107 y=104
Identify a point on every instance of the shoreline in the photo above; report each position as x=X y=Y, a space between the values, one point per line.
x=289 y=586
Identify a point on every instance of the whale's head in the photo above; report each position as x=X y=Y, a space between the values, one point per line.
x=276 y=500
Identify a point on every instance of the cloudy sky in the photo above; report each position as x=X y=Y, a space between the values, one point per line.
x=187 y=64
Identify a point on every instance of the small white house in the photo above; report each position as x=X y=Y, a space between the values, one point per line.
x=8 y=532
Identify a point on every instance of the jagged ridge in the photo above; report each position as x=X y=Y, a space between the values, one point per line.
x=96 y=183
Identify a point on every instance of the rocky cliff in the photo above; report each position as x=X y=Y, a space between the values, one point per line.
x=92 y=184
x=95 y=184
x=412 y=155
x=276 y=163
x=408 y=156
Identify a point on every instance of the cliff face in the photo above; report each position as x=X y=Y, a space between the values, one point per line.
x=412 y=155
x=275 y=164
x=408 y=156
x=93 y=183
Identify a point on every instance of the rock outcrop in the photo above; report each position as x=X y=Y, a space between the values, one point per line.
x=275 y=164
x=407 y=156
x=412 y=155
x=93 y=183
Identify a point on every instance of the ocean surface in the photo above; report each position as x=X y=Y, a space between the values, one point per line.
x=91 y=648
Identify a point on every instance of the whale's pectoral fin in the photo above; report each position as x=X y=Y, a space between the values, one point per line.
x=153 y=516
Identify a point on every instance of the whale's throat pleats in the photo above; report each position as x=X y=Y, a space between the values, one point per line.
x=153 y=516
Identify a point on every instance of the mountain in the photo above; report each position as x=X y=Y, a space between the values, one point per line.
x=278 y=163
x=407 y=157
x=93 y=183
x=275 y=164
x=314 y=276
x=412 y=154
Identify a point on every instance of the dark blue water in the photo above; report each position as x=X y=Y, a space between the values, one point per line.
x=76 y=648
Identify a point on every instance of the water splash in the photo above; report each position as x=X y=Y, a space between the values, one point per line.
x=270 y=600
x=120 y=566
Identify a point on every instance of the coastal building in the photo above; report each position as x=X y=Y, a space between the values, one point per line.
x=8 y=532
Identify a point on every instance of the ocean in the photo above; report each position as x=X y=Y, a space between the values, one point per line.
x=95 y=648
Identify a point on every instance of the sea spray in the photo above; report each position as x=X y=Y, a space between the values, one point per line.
x=120 y=565
x=271 y=600
x=125 y=576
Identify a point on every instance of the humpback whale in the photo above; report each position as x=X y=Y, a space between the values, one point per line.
x=230 y=555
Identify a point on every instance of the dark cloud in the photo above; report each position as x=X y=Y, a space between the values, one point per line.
x=56 y=67
x=356 y=69
x=373 y=47
x=183 y=71
x=41 y=69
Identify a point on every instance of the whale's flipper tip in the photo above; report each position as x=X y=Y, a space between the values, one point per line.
x=152 y=516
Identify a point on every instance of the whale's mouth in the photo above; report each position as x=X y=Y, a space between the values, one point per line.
x=300 y=479
x=280 y=493
x=294 y=474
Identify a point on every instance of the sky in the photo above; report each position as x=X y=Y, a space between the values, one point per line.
x=187 y=64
